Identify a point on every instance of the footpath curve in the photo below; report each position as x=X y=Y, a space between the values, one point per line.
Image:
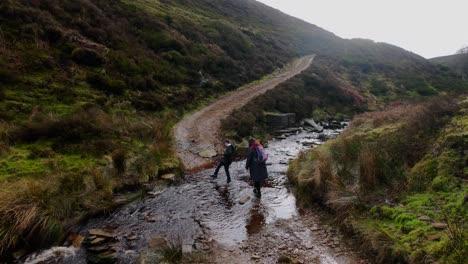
x=197 y=136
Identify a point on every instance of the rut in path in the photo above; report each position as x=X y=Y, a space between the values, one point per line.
x=200 y=132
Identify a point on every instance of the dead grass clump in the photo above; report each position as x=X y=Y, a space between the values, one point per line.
x=119 y=160
x=368 y=169
x=82 y=125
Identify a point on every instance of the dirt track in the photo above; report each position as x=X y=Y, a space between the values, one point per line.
x=198 y=135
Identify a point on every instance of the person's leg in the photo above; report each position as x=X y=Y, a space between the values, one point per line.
x=215 y=174
x=228 y=175
x=257 y=188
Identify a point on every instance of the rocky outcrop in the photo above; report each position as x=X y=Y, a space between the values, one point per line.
x=280 y=120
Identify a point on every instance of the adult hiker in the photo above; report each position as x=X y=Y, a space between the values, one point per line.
x=256 y=164
x=226 y=161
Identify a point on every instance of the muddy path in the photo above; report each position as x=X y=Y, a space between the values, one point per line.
x=223 y=222
x=197 y=136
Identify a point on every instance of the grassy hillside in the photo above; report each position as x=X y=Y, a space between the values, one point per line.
x=90 y=89
x=457 y=62
x=398 y=180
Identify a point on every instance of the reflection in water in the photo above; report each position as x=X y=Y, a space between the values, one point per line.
x=225 y=195
x=257 y=218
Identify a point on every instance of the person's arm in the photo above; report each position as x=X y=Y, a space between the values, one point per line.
x=249 y=159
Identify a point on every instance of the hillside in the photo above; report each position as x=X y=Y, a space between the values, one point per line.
x=457 y=62
x=90 y=90
x=397 y=180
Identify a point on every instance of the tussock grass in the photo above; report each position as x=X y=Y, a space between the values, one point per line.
x=37 y=209
x=389 y=169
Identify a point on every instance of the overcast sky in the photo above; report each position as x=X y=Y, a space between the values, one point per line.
x=429 y=28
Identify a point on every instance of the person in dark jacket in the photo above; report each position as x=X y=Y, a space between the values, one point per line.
x=226 y=161
x=258 y=170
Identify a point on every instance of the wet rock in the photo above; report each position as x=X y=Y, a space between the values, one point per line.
x=244 y=199
x=97 y=241
x=100 y=233
x=151 y=219
x=310 y=122
x=439 y=226
x=424 y=218
x=169 y=177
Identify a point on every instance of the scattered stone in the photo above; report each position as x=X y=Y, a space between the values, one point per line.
x=244 y=199
x=100 y=233
x=97 y=241
x=151 y=219
x=169 y=177
x=133 y=237
x=439 y=226
x=424 y=218
x=434 y=237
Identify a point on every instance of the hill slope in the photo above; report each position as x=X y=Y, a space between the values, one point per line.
x=90 y=89
x=457 y=62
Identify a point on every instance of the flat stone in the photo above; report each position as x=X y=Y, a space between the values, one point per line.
x=439 y=226
x=424 y=218
x=169 y=177
x=434 y=237
x=97 y=241
x=244 y=199
x=207 y=153
x=100 y=233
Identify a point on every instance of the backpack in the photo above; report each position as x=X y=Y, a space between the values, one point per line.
x=262 y=155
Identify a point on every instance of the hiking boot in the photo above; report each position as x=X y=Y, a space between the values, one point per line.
x=214 y=176
x=258 y=194
x=255 y=190
x=228 y=180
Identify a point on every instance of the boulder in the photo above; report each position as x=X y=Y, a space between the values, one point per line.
x=169 y=177
x=311 y=123
x=280 y=120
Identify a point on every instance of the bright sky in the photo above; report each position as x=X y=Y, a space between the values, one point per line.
x=430 y=28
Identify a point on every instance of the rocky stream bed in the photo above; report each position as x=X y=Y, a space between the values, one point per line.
x=225 y=223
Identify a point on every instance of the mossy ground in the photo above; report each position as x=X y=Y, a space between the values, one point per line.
x=398 y=180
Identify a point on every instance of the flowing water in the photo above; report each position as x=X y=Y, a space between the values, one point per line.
x=223 y=220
